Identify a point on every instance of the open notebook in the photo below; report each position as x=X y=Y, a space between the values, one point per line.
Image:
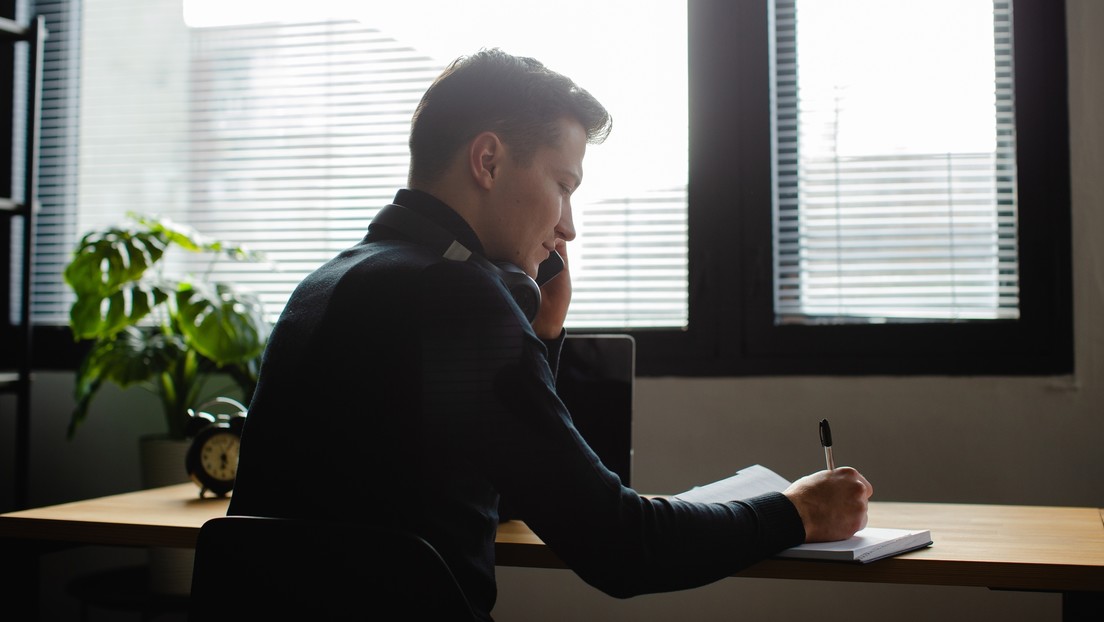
x=865 y=546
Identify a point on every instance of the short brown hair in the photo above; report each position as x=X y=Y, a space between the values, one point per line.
x=516 y=97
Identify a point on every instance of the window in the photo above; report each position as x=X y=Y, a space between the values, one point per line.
x=259 y=132
x=735 y=326
x=895 y=162
x=284 y=127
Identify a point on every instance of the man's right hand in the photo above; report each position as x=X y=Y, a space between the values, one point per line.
x=832 y=504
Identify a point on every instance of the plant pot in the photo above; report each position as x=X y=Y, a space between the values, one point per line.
x=162 y=460
x=162 y=464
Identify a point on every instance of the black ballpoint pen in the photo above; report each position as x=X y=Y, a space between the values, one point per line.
x=826 y=441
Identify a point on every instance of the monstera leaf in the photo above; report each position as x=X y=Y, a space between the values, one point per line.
x=132 y=356
x=106 y=274
x=165 y=334
x=221 y=324
x=191 y=240
x=109 y=273
x=106 y=260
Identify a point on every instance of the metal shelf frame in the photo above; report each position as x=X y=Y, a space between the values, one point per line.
x=34 y=36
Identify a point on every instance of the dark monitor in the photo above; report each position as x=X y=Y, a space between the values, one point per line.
x=595 y=382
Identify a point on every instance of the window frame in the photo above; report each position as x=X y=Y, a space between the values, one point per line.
x=731 y=330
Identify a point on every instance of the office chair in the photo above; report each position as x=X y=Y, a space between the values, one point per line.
x=255 y=568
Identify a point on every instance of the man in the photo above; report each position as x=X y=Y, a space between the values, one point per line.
x=405 y=385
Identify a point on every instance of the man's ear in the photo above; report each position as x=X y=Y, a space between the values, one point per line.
x=485 y=154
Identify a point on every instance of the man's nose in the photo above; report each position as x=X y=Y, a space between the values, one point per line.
x=566 y=227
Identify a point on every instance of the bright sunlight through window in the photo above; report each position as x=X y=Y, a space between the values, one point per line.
x=896 y=195
x=283 y=126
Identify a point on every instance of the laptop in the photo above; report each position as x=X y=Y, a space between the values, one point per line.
x=595 y=382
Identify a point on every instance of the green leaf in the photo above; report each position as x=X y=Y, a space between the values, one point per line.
x=128 y=359
x=222 y=324
x=106 y=273
x=190 y=239
x=100 y=317
x=84 y=317
x=182 y=235
x=106 y=260
x=199 y=329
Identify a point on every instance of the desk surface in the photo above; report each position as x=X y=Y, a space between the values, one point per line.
x=997 y=546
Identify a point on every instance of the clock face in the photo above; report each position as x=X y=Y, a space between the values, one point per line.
x=218 y=457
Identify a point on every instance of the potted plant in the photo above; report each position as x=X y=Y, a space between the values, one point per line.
x=167 y=334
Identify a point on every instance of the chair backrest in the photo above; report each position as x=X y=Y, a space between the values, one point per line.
x=254 y=568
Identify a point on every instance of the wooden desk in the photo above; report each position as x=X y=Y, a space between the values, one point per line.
x=1057 y=549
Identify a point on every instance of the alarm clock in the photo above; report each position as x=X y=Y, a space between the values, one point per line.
x=212 y=457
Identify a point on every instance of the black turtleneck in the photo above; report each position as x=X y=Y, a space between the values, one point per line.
x=403 y=388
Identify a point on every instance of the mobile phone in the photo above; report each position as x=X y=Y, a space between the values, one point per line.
x=549 y=268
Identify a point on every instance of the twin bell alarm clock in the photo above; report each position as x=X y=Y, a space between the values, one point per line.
x=212 y=458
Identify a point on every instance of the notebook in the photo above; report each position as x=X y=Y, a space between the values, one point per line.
x=867 y=545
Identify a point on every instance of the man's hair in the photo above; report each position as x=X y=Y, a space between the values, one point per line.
x=515 y=97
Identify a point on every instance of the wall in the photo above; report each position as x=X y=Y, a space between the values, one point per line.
x=994 y=440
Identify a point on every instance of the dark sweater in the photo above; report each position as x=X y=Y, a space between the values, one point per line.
x=402 y=388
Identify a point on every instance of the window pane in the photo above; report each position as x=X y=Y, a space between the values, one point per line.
x=895 y=190
x=283 y=126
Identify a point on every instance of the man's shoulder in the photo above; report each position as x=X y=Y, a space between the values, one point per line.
x=396 y=266
x=382 y=260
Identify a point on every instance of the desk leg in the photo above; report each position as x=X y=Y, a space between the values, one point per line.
x=1082 y=606
x=20 y=580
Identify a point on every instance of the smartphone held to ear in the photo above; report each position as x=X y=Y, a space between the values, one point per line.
x=549 y=268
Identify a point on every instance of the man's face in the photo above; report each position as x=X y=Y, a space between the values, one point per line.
x=532 y=204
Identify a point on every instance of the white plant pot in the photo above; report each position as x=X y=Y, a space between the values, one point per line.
x=162 y=464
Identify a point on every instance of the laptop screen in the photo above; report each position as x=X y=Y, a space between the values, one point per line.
x=595 y=382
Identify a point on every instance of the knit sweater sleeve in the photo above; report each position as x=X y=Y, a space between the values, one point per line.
x=521 y=436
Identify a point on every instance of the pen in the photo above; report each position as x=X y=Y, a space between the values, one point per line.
x=826 y=441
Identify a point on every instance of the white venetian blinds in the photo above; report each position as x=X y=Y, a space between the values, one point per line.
x=287 y=133
x=55 y=231
x=895 y=162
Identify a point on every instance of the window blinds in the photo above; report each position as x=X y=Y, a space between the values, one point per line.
x=895 y=153
x=287 y=137
x=55 y=222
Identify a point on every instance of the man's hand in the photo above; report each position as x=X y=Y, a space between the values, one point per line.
x=555 y=299
x=832 y=504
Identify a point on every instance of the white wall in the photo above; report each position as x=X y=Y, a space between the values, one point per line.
x=994 y=440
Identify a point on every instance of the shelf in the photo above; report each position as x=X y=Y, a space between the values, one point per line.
x=19 y=383
x=10 y=207
x=10 y=27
